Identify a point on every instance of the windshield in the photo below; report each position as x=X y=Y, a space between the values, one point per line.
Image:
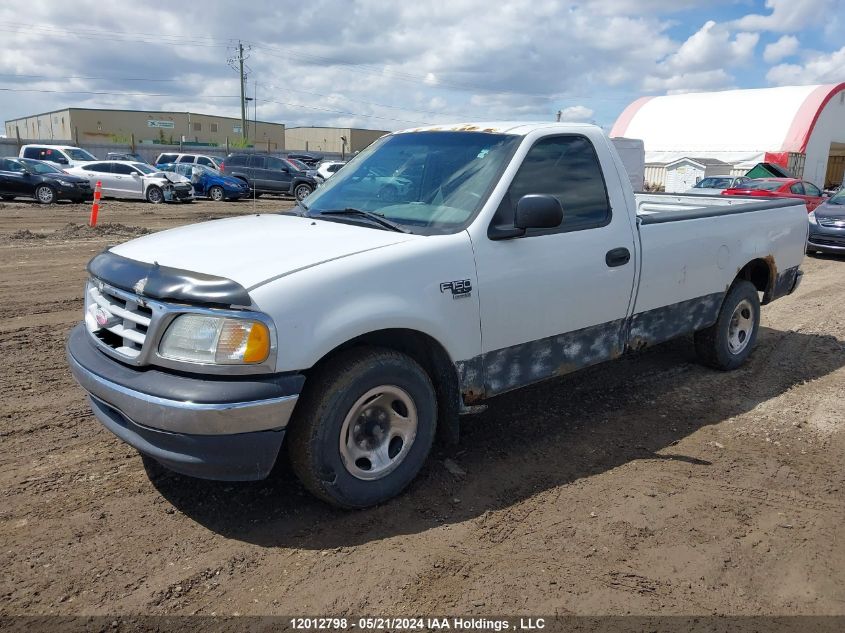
x=79 y=154
x=144 y=168
x=765 y=185
x=838 y=197
x=429 y=182
x=38 y=167
x=714 y=183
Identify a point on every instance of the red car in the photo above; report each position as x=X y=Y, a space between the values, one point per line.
x=780 y=188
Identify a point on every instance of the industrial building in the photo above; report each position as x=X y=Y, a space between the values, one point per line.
x=331 y=140
x=87 y=125
x=801 y=128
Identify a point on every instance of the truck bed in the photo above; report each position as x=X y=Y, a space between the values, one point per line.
x=693 y=247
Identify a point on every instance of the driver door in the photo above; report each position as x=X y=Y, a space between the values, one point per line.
x=555 y=300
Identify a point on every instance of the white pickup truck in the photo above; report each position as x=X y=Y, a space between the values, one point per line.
x=361 y=322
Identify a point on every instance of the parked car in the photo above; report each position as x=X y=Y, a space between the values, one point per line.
x=269 y=174
x=130 y=156
x=354 y=329
x=309 y=171
x=59 y=155
x=124 y=179
x=328 y=168
x=780 y=188
x=27 y=178
x=715 y=185
x=827 y=226
x=200 y=159
x=208 y=182
x=312 y=160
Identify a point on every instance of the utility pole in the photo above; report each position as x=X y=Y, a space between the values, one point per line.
x=243 y=100
x=559 y=114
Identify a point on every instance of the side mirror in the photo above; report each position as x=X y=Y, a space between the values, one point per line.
x=533 y=211
x=538 y=211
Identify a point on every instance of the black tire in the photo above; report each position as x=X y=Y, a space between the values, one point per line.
x=715 y=346
x=333 y=393
x=45 y=194
x=155 y=195
x=217 y=193
x=302 y=191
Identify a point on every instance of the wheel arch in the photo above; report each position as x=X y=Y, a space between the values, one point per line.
x=431 y=356
x=761 y=272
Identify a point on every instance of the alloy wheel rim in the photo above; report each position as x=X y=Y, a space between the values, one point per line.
x=378 y=432
x=741 y=326
x=45 y=194
x=155 y=196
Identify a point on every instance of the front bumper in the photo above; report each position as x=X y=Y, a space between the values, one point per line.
x=76 y=192
x=207 y=426
x=826 y=240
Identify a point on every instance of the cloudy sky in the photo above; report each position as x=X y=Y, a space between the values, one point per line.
x=389 y=65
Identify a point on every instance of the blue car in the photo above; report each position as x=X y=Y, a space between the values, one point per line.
x=208 y=182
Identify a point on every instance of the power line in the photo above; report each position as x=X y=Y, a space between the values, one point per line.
x=57 y=77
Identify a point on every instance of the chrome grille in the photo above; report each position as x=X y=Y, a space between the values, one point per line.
x=831 y=222
x=117 y=319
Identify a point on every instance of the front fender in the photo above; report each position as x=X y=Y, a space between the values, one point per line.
x=400 y=286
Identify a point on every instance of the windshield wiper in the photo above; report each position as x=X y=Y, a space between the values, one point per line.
x=373 y=217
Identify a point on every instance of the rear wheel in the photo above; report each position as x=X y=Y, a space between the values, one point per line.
x=728 y=343
x=155 y=195
x=45 y=194
x=216 y=193
x=363 y=427
x=302 y=191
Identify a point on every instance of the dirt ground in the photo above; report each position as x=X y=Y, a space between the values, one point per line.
x=649 y=485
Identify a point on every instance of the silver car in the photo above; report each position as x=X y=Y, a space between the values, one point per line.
x=827 y=226
x=715 y=185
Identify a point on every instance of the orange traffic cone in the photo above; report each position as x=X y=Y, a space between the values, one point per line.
x=95 y=208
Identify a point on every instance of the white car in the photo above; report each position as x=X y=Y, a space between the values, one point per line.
x=715 y=185
x=60 y=156
x=328 y=168
x=200 y=159
x=127 y=179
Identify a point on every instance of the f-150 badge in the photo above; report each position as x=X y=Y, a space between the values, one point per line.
x=461 y=289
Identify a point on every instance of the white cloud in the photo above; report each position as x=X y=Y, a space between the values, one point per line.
x=786 y=46
x=789 y=16
x=577 y=113
x=700 y=62
x=819 y=68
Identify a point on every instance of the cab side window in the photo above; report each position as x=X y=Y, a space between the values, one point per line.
x=797 y=188
x=123 y=170
x=567 y=168
x=202 y=160
x=104 y=168
x=34 y=152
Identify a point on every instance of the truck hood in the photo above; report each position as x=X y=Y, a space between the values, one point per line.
x=255 y=249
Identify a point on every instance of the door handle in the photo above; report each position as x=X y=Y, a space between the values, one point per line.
x=617 y=257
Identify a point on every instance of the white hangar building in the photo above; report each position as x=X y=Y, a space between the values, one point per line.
x=798 y=127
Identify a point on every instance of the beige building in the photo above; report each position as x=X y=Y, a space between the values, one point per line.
x=80 y=125
x=329 y=139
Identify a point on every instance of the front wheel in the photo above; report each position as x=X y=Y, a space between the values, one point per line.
x=155 y=195
x=728 y=343
x=216 y=193
x=302 y=191
x=363 y=427
x=45 y=194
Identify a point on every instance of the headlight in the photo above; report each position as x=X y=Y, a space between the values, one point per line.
x=812 y=217
x=198 y=338
x=65 y=183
